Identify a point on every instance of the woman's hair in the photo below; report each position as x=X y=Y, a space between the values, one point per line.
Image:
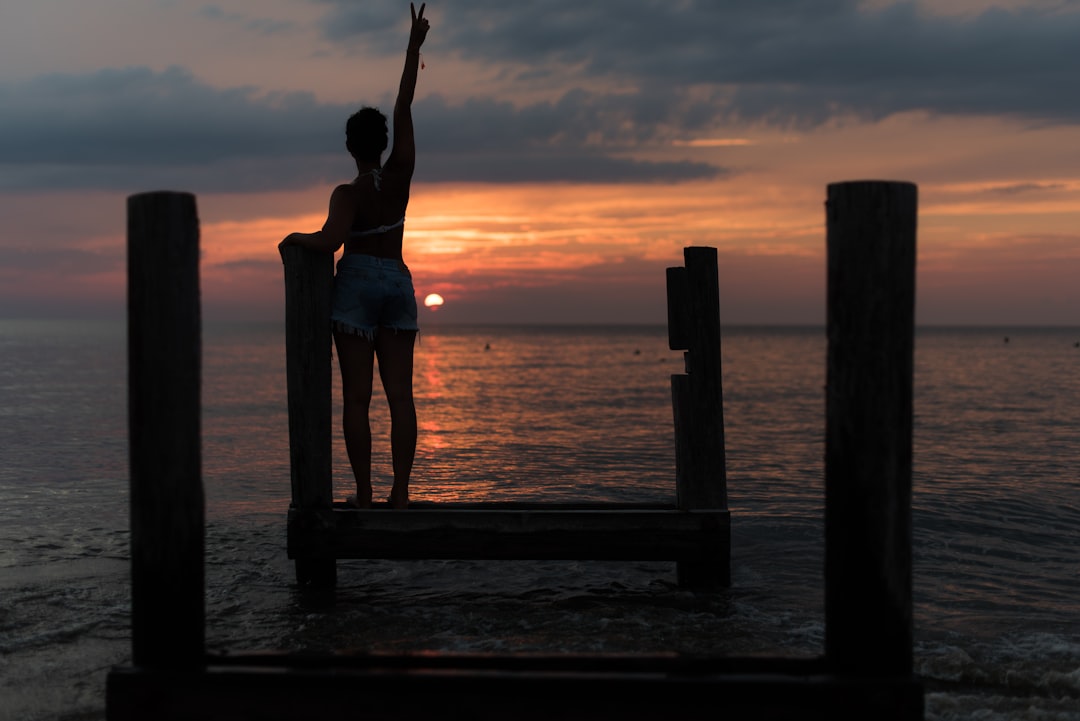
x=366 y=135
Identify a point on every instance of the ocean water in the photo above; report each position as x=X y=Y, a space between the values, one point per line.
x=562 y=413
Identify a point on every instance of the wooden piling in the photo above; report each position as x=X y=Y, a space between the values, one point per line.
x=164 y=357
x=697 y=403
x=870 y=327
x=308 y=289
x=698 y=397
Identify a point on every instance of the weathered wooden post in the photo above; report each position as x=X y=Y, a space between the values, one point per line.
x=870 y=326
x=164 y=365
x=697 y=401
x=308 y=288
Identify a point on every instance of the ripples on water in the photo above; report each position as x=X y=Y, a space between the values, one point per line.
x=557 y=414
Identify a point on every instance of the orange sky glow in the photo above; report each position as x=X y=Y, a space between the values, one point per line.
x=1012 y=231
x=999 y=192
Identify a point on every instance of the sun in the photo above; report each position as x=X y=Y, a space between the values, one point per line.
x=433 y=301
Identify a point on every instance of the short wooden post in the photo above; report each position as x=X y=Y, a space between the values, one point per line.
x=308 y=288
x=164 y=365
x=697 y=401
x=870 y=326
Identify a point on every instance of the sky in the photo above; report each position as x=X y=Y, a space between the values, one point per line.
x=567 y=152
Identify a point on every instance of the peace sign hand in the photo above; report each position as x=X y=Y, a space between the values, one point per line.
x=420 y=26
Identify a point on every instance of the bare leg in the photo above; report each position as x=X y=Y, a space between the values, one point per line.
x=357 y=360
x=395 y=352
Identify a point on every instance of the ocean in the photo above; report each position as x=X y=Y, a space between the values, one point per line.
x=555 y=414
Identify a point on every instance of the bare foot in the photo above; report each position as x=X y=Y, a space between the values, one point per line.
x=399 y=501
x=355 y=502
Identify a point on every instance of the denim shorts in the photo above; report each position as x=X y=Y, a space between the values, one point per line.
x=372 y=293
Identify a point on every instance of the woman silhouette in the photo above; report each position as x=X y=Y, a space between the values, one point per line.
x=374 y=303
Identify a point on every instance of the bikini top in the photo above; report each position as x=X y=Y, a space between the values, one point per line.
x=376 y=178
x=376 y=231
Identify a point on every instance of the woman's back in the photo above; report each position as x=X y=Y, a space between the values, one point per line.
x=380 y=198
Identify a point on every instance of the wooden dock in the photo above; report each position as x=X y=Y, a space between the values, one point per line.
x=865 y=672
x=694 y=532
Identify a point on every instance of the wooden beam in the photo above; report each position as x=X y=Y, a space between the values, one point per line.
x=419 y=691
x=462 y=533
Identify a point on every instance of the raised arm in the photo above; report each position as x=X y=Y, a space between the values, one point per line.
x=403 y=155
x=400 y=163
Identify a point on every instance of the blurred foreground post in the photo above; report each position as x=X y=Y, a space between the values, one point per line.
x=308 y=287
x=871 y=311
x=164 y=358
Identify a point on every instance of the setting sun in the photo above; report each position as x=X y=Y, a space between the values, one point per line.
x=433 y=301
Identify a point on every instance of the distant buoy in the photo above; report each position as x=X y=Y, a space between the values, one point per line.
x=487 y=346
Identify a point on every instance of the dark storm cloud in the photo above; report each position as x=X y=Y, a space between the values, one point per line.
x=135 y=116
x=581 y=137
x=792 y=62
x=135 y=128
x=677 y=69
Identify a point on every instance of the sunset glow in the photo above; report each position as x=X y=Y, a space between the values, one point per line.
x=550 y=189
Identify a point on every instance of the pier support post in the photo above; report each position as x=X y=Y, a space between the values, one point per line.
x=870 y=327
x=164 y=366
x=697 y=401
x=308 y=288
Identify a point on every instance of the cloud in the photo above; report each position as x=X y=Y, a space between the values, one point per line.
x=344 y=20
x=556 y=167
x=786 y=62
x=135 y=128
x=259 y=25
x=622 y=86
x=1019 y=188
x=73 y=262
x=135 y=116
x=584 y=137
